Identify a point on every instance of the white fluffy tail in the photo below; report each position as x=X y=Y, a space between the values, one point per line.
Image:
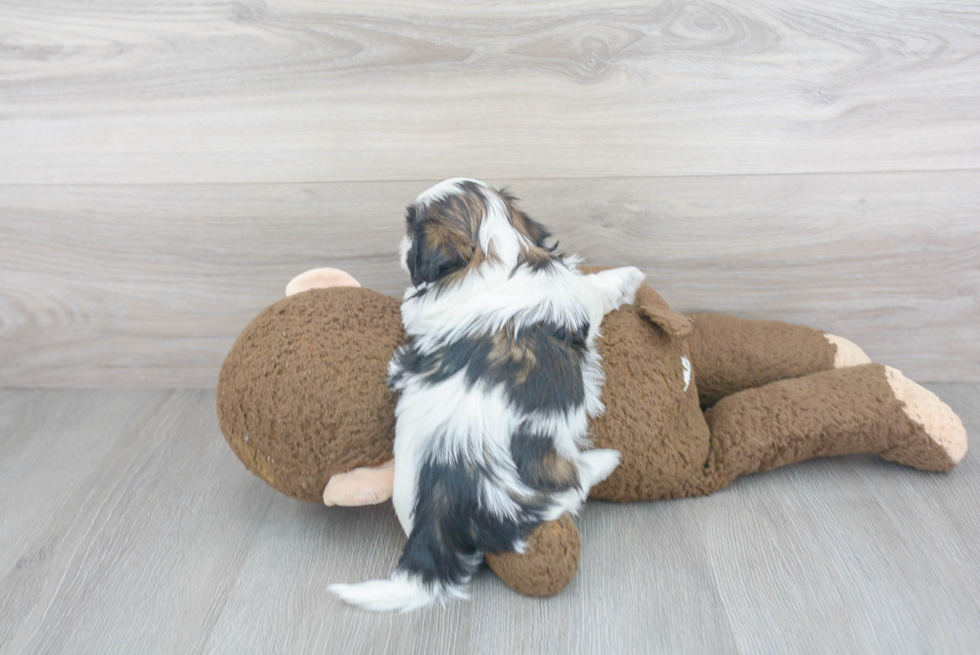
x=402 y=592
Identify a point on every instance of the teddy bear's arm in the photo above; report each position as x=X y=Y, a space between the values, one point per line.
x=730 y=354
x=366 y=485
x=861 y=409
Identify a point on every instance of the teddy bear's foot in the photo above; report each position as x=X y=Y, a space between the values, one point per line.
x=848 y=353
x=547 y=564
x=941 y=430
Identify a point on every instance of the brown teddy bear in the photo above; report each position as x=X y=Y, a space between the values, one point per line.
x=692 y=402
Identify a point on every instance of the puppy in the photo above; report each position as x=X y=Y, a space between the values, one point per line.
x=497 y=383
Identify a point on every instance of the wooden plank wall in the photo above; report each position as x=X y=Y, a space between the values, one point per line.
x=165 y=168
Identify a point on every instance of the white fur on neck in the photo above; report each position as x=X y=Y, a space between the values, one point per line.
x=493 y=296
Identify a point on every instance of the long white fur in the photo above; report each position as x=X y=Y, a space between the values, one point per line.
x=476 y=422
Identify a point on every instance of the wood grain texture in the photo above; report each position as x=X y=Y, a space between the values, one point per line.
x=296 y=90
x=166 y=168
x=150 y=285
x=138 y=556
x=158 y=540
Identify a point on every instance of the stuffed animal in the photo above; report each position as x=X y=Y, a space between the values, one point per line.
x=692 y=402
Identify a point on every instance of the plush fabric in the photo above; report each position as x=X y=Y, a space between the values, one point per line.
x=731 y=354
x=548 y=563
x=302 y=396
x=827 y=414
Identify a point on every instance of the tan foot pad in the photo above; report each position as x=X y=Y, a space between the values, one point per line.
x=935 y=417
x=363 y=486
x=848 y=353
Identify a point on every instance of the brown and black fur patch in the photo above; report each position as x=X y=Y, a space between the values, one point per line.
x=517 y=356
x=539 y=465
x=539 y=366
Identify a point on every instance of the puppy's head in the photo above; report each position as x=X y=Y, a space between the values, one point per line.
x=461 y=225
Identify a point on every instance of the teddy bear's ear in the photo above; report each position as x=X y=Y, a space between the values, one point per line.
x=320 y=278
x=659 y=312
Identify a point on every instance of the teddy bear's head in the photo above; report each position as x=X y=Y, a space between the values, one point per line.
x=302 y=393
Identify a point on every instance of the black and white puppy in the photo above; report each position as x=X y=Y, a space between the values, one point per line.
x=497 y=383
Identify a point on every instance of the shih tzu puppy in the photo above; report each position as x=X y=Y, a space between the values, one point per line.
x=497 y=382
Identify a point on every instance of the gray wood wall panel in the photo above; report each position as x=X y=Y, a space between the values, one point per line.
x=166 y=168
x=142 y=533
x=295 y=90
x=149 y=285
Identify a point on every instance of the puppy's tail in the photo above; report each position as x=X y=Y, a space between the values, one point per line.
x=450 y=534
x=403 y=592
x=428 y=571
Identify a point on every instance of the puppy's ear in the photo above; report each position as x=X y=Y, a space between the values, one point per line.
x=411 y=217
x=534 y=231
x=433 y=257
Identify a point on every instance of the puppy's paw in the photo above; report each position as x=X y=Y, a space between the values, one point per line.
x=632 y=278
x=624 y=283
x=619 y=286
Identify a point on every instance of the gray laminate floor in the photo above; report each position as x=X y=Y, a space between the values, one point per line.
x=128 y=526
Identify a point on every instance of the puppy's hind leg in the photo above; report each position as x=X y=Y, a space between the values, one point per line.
x=449 y=535
x=597 y=465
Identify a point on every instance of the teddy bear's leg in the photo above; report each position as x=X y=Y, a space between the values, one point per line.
x=731 y=354
x=548 y=563
x=937 y=419
x=861 y=409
